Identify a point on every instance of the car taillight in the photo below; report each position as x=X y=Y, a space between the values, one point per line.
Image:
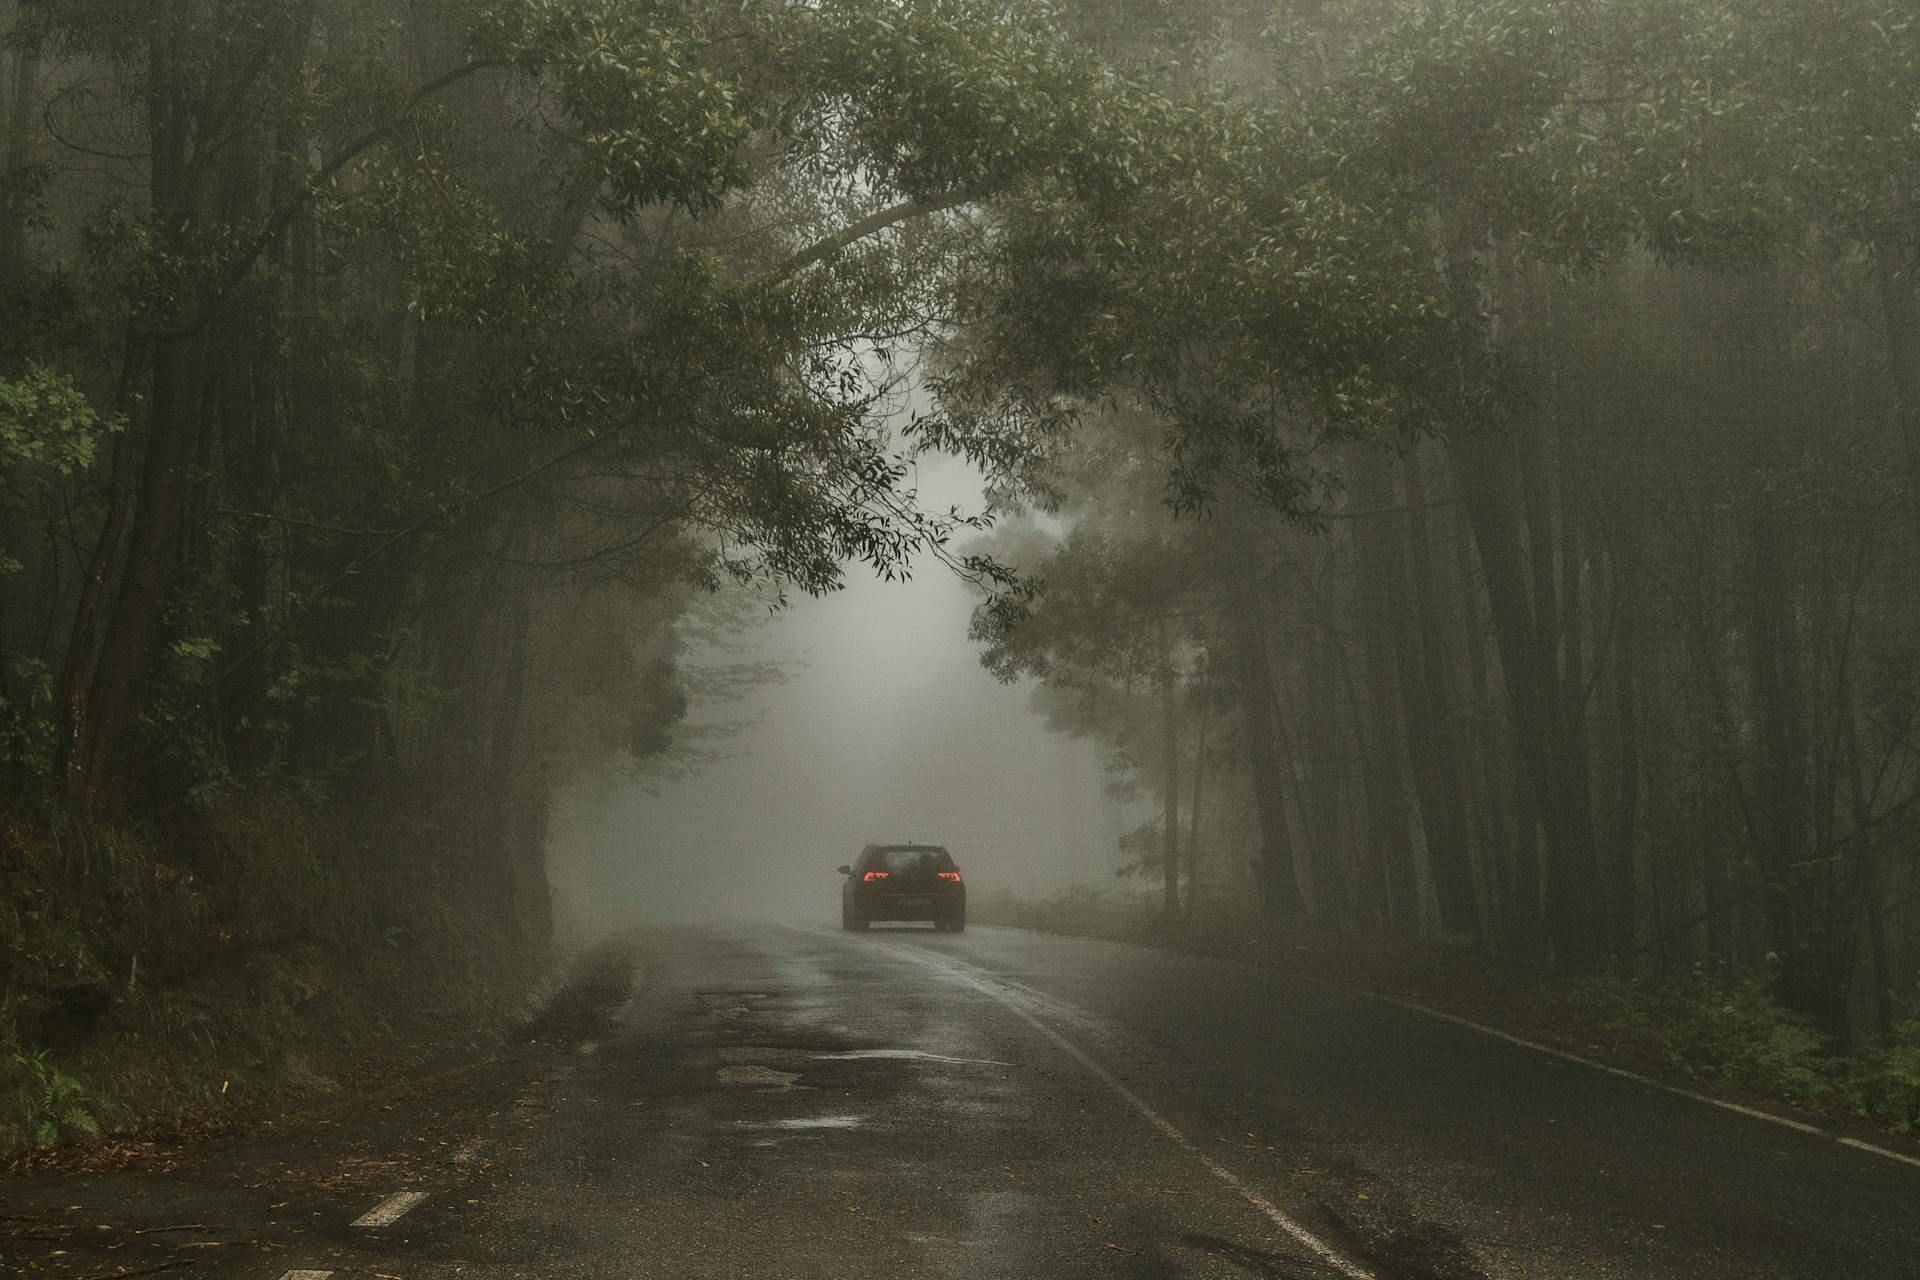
x=950 y=875
x=871 y=876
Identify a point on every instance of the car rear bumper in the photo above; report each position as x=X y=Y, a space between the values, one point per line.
x=903 y=906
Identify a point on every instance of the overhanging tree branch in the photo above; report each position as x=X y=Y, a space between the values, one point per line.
x=283 y=217
x=854 y=232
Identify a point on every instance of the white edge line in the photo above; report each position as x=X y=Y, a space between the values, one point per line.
x=1279 y=1217
x=305 y=1275
x=1858 y=1145
x=1753 y=1113
x=390 y=1210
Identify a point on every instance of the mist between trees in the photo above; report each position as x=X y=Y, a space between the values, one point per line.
x=1489 y=435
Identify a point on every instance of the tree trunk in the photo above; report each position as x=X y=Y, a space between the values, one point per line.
x=1279 y=883
x=14 y=162
x=1623 y=844
x=1900 y=311
x=1512 y=906
x=102 y=755
x=1487 y=469
x=1390 y=816
x=1170 y=755
x=1193 y=805
x=1434 y=747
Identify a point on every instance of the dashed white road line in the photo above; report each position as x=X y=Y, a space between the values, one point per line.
x=987 y=986
x=390 y=1210
x=305 y=1275
x=1752 y=1113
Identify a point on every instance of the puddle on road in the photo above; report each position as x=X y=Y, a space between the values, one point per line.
x=804 y=1124
x=766 y=1076
x=772 y=1053
x=730 y=1004
x=905 y=1055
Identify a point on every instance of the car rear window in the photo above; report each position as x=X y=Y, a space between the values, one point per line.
x=910 y=861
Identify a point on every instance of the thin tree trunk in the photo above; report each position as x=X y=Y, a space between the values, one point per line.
x=1390 y=816
x=1193 y=806
x=1624 y=845
x=1170 y=755
x=1279 y=883
x=14 y=161
x=1900 y=312
x=1435 y=748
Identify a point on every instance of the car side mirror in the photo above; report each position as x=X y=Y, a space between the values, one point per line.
x=844 y=870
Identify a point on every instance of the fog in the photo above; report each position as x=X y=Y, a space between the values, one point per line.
x=885 y=727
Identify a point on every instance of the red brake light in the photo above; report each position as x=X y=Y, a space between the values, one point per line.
x=950 y=875
x=871 y=876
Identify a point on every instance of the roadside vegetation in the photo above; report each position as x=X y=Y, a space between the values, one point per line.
x=1726 y=1035
x=274 y=949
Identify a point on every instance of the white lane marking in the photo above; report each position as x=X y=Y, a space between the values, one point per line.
x=1279 y=1217
x=305 y=1275
x=1753 y=1113
x=390 y=1210
x=804 y=1123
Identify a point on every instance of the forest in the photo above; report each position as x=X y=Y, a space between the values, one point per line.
x=1477 y=439
x=1508 y=499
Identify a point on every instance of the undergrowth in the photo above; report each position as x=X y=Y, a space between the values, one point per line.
x=264 y=945
x=1730 y=1034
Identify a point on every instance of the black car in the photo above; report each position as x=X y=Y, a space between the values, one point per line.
x=903 y=882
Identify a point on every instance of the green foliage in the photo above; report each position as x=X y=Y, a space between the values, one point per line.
x=45 y=421
x=27 y=723
x=1737 y=1034
x=40 y=1104
x=48 y=429
x=1742 y=1036
x=1888 y=1083
x=272 y=941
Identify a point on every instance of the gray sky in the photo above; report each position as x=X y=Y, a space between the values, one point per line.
x=887 y=728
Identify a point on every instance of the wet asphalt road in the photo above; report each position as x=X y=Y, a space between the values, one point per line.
x=777 y=1102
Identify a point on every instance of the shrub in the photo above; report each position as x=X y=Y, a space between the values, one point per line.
x=1740 y=1035
x=139 y=979
x=41 y=1104
x=1888 y=1081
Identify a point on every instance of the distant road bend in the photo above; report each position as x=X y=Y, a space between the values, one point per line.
x=783 y=1102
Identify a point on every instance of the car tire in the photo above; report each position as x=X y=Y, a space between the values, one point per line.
x=852 y=921
x=955 y=922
